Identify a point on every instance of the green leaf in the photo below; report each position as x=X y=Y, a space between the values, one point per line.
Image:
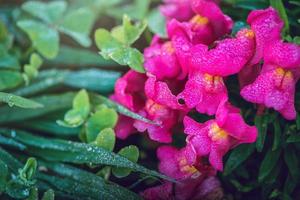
x=10 y=79
x=132 y=32
x=3 y=175
x=103 y=118
x=93 y=80
x=78 y=24
x=278 y=5
x=268 y=164
x=31 y=69
x=43 y=38
x=291 y=160
x=261 y=122
x=48 y=195
x=51 y=103
x=115 y=50
x=76 y=57
x=33 y=194
x=73 y=152
x=48 y=12
x=237 y=157
x=80 y=111
x=106 y=139
x=83 y=184
x=293 y=138
x=131 y=153
x=28 y=170
x=157 y=23
x=13 y=100
x=98 y=99
x=12 y=143
x=277 y=135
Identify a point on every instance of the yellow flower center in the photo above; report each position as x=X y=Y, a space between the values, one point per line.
x=249 y=33
x=199 y=20
x=216 y=133
x=168 y=47
x=212 y=83
x=153 y=107
x=184 y=167
x=283 y=77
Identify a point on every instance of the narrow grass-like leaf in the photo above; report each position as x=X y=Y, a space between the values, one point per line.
x=74 y=152
x=238 y=156
x=277 y=135
x=261 y=122
x=75 y=57
x=97 y=184
x=14 y=100
x=12 y=143
x=293 y=138
x=291 y=160
x=268 y=164
x=51 y=103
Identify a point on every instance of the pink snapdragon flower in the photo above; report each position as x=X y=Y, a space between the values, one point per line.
x=188 y=189
x=177 y=9
x=205 y=87
x=161 y=60
x=165 y=117
x=129 y=92
x=194 y=181
x=275 y=86
x=267 y=26
x=182 y=164
x=216 y=137
x=208 y=25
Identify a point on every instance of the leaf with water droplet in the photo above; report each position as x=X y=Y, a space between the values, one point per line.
x=131 y=153
x=14 y=100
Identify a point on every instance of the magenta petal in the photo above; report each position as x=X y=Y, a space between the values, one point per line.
x=285 y=55
x=267 y=26
x=164 y=191
x=178 y=9
x=124 y=127
x=219 y=61
x=221 y=23
x=215 y=158
x=159 y=92
x=161 y=60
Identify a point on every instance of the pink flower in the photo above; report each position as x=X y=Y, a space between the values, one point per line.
x=275 y=86
x=166 y=118
x=165 y=92
x=205 y=87
x=188 y=189
x=267 y=27
x=129 y=92
x=161 y=60
x=182 y=164
x=220 y=23
x=195 y=181
x=208 y=25
x=215 y=138
x=177 y=9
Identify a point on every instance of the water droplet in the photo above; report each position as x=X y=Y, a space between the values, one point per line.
x=13 y=133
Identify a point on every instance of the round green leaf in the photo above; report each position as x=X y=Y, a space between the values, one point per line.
x=131 y=153
x=44 y=38
x=106 y=139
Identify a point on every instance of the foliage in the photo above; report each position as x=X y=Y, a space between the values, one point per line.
x=57 y=136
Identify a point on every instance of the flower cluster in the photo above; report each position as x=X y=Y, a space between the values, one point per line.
x=187 y=72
